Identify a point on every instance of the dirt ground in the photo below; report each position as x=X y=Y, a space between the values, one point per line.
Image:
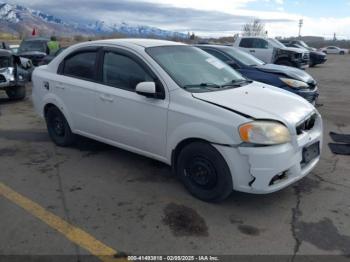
x=135 y=206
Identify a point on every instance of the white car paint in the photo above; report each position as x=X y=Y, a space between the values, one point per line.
x=334 y=50
x=154 y=127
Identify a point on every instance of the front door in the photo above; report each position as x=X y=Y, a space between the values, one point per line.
x=133 y=121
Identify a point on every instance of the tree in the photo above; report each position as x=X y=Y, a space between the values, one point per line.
x=254 y=28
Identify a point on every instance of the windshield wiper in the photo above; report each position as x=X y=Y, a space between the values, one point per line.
x=237 y=83
x=204 y=85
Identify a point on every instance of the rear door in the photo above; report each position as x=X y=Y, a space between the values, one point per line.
x=126 y=118
x=75 y=86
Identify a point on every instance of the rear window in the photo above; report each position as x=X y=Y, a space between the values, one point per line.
x=81 y=65
x=29 y=46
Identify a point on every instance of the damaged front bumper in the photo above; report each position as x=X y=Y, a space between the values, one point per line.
x=9 y=78
x=267 y=169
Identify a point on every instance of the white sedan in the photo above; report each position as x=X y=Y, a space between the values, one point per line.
x=177 y=104
x=334 y=50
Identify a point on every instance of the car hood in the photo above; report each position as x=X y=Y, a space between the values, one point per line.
x=291 y=72
x=319 y=53
x=261 y=102
x=31 y=53
x=294 y=49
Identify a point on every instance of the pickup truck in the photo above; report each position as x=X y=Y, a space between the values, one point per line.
x=272 y=51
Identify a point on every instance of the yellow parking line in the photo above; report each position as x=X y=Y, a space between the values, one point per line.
x=74 y=234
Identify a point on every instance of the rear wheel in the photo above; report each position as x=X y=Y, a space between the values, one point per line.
x=58 y=127
x=204 y=172
x=16 y=92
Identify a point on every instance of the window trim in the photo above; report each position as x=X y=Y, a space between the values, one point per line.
x=60 y=70
x=104 y=50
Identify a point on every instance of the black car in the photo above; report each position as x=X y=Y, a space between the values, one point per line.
x=316 y=57
x=48 y=58
x=34 y=48
x=288 y=78
x=14 y=74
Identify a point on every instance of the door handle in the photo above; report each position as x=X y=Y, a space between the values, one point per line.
x=252 y=51
x=106 y=98
x=60 y=86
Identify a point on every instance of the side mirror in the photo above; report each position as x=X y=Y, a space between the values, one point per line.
x=147 y=89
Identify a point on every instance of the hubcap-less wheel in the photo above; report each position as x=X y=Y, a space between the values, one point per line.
x=204 y=172
x=58 y=127
x=201 y=172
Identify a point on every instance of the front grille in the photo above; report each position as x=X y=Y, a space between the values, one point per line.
x=307 y=125
x=306 y=57
x=2 y=79
x=312 y=85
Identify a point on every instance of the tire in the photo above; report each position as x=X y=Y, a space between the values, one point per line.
x=312 y=63
x=284 y=62
x=342 y=53
x=58 y=128
x=204 y=172
x=16 y=92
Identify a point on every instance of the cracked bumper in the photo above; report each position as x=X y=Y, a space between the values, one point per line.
x=254 y=168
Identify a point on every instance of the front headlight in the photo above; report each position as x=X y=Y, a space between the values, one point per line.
x=9 y=74
x=294 y=83
x=264 y=133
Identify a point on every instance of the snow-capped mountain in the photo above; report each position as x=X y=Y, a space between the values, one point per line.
x=19 y=19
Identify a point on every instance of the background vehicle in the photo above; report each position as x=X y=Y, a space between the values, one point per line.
x=334 y=50
x=272 y=51
x=316 y=57
x=48 y=58
x=288 y=78
x=14 y=48
x=182 y=106
x=34 y=48
x=13 y=74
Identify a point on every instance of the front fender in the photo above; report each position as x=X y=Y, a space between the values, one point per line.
x=197 y=130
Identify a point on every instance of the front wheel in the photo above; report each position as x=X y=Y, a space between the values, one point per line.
x=342 y=53
x=58 y=128
x=16 y=92
x=204 y=172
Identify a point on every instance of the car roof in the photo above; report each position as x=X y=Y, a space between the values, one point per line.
x=213 y=45
x=36 y=38
x=136 y=41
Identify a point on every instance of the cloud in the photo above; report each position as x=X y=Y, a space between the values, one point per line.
x=204 y=17
x=160 y=14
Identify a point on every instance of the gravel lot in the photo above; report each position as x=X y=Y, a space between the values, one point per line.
x=134 y=205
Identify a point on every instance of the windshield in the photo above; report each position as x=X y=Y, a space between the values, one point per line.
x=191 y=67
x=33 y=46
x=276 y=43
x=302 y=43
x=242 y=57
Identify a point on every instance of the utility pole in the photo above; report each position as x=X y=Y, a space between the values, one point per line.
x=301 y=22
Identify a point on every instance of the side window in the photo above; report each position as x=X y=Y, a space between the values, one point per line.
x=246 y=42
x=260 y=43
x=217 y=54
x=122 y=72
x=81 y=65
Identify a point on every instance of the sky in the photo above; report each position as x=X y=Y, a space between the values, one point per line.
x=209 y=17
